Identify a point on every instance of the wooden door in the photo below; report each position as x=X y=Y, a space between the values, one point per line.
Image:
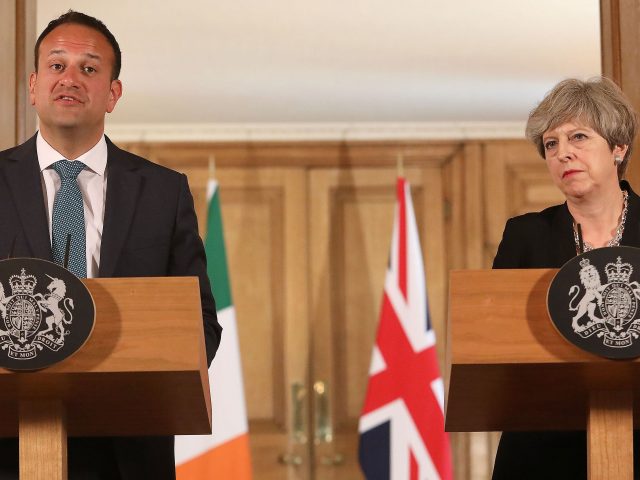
x=264 y=216
x=308 y=229
x=305 y=387
x=351 y=219
x=517 y=182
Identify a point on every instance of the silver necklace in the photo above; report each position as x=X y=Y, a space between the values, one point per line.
x=615 y=241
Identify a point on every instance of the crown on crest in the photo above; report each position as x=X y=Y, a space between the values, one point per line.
x=23 y=283
x=618 y=272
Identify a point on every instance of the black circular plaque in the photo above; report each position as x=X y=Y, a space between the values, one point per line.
x=46 y=314
x=593 y=302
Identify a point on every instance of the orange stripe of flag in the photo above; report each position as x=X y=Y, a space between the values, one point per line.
x=228 y=460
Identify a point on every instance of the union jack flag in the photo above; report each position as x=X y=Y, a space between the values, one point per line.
x=402 y=433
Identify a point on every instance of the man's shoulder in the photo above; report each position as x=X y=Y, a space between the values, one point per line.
x=14 y=151
x=7 y=153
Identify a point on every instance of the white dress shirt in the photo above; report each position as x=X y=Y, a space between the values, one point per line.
x=93 y=185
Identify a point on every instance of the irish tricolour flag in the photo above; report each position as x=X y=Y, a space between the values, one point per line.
x=225 y=453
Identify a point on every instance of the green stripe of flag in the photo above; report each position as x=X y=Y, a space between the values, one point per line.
x=216 y=254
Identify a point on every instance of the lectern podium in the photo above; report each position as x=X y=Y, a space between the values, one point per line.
x=143 y=371
x=509 y=369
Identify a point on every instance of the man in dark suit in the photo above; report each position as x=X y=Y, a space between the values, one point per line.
x=139 y=216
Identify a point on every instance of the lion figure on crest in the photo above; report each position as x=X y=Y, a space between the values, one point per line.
x=3 y=301
x=51 y=302
x=590 y=279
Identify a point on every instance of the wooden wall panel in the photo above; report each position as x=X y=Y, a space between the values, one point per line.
x=17 y=29
x=351 y=223
x=7 y=74
x=620 y=41
x=266 y=241
x=473 y=453
x=25 y=40
x=299 y=154
x=516 y=182
x=263 y=212
x=357 y=270
x=308 y=227
x=255 y=243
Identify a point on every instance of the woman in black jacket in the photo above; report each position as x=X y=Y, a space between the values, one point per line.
x=584 y=131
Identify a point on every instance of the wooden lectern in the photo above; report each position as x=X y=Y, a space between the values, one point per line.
x=143 y=371
x=509 y=369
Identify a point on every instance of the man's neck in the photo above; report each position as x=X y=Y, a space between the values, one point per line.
x=70 y=144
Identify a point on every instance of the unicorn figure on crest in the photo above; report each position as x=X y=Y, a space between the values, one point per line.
x=59 y=316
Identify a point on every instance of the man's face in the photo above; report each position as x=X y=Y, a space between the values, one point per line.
x=72 y=90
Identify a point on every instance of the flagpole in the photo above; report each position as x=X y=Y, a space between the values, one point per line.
x=226 y=453
x=212 y=166
x=400 y=165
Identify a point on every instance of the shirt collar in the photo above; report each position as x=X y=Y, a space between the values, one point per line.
x=95 y=158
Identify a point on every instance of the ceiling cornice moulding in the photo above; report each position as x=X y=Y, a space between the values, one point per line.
x=215 y=132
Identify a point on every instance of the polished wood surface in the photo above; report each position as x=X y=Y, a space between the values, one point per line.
x=43 y=440
x=7 y=74
x=508 y=368
x=142 y=372
x=513 y=180
x=610 y=435
x=25 y=114
x=620 y=37
x=17 y=34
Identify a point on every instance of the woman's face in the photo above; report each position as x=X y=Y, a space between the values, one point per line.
x=579 y=160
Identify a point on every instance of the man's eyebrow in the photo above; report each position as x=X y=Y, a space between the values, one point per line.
x=56 y=52
x=92 y=56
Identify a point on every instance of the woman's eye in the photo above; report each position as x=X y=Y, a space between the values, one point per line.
x=549 y=144
x=579 y=136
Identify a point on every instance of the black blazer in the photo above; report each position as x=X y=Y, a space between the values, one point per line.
x=545 y=240
x=150 y=229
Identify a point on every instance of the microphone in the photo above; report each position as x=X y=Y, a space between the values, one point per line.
x=13 y=245
x=580 y=240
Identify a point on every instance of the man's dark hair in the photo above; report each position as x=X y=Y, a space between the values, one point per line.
x=88 y=21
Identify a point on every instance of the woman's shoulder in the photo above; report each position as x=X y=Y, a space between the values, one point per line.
x=535 y=220
x=527 y=238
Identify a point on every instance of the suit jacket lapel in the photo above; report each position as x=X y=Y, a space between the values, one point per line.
x=22 y=174
x=563 y=243
x=631 y=234
x=123 y=187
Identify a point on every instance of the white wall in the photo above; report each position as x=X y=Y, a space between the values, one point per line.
x=212 y=62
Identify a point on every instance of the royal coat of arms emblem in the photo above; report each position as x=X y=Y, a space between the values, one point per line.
x=599 y=316
x=609 y=308
x=37 y=323
x=23 y=311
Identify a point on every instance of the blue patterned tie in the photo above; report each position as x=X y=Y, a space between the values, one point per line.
x=68 y=219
